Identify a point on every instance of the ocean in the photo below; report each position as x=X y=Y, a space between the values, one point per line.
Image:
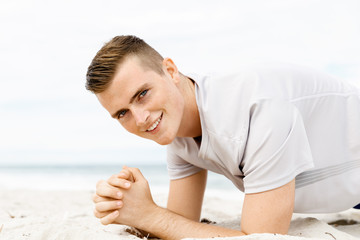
x=85 y=177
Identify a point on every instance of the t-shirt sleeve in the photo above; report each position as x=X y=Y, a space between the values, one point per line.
x=277 y=149
x=177 y=167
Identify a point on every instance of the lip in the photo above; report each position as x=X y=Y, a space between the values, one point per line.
x=155 y=130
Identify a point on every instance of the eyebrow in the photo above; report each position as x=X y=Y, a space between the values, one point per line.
x=140 y=89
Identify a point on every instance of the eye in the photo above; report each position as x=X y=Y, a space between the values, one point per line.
x=122 y=113
x=143 y=93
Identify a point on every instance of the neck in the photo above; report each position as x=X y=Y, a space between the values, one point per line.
x=190 y=123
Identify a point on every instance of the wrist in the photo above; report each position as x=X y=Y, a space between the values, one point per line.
x=149 y=218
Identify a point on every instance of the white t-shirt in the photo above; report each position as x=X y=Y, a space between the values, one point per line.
x=266 y=125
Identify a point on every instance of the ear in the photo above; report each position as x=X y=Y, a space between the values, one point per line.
x=170 y=68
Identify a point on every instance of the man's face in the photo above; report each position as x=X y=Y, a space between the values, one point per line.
x=145 y=103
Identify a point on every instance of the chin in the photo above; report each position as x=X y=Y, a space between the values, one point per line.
x=165 y=141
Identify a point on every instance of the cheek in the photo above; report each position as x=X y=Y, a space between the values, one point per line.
x=175 y=106
x=178 y=103
x=129 y=126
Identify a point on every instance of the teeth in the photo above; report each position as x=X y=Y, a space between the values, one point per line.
x=154 y=125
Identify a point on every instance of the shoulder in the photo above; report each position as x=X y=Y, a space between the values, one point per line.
x=176 y=145
x=182 y=147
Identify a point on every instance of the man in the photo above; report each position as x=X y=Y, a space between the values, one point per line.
x=286 y=136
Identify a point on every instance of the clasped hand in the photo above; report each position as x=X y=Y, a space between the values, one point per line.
x=124 y=198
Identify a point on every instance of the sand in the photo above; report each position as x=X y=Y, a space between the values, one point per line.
x=55 y=215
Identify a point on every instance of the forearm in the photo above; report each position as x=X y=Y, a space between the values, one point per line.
x=186 y=195
x=139 y=210
x=171 y=226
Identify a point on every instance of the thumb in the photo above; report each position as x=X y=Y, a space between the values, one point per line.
x=136 y=174
x=128 y=175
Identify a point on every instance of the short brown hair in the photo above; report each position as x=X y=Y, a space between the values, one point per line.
x=104 y=65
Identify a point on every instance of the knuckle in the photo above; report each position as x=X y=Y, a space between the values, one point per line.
x=114 y=176
x=134 y=170
x=95 y=198
x=98 y=207
x=145 y=184
x=96 y=213
x=99 y=183
x=120 y=181
x=114 y=182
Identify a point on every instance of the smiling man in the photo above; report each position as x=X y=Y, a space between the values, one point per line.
x=288 y=137
x=149 y=105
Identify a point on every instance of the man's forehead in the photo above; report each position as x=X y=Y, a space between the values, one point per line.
x=128 y=79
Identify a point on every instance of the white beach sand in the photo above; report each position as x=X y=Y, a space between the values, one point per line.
x=55 y=215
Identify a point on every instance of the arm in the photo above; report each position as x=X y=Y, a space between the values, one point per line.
x=139 y=210
x=266 y=212
x=270 y=211
x=263 y=212
x=186 y=195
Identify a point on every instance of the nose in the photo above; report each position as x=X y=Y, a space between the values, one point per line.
x=140 y=115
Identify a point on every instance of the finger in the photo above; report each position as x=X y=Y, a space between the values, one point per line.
x=108 y=206
x=119 y=182
x=104 y=189
x=110 y=218
x=125 y=174
x=101 y=214
x=136 y=173
x=131 y=177
x=96 y=198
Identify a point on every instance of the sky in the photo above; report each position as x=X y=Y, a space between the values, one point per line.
x=47 y=116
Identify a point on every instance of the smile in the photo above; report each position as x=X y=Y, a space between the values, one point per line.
x=155 y=124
